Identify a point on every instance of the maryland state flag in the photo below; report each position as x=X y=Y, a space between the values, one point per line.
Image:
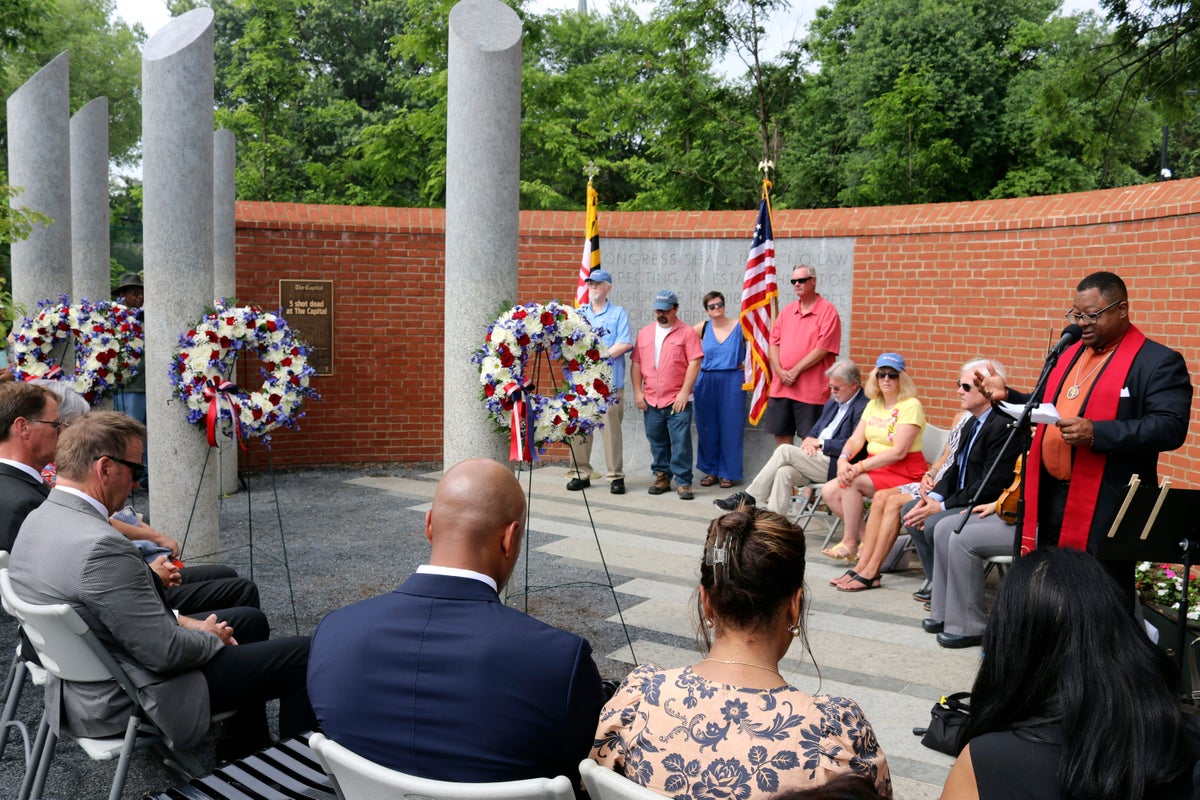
x=591 y=247
x=759 y=290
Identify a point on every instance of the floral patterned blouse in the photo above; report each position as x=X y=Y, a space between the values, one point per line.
x=689 y=738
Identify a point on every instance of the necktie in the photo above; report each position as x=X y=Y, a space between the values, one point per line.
x=964 y=449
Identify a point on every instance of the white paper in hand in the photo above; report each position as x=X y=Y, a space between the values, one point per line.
x=1045 y=414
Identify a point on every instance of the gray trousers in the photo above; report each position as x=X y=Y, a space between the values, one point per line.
x=922 y=538
x=958 y=597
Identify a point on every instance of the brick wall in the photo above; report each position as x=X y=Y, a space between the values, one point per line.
x=940 y=283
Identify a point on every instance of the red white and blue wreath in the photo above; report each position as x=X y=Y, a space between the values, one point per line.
x=511 y=346
x=107 y=338
x=200 y=372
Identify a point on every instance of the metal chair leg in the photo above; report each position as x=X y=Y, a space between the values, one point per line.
x=39 y=762
x=12 y=691
x=131 y=732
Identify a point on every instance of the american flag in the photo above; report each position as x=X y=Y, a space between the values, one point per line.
x=591 y=247
x=759 y=290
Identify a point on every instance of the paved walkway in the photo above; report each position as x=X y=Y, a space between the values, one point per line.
x=355 y=533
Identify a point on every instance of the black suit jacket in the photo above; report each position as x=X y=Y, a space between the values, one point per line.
x=19 y=494
x=988 y=443
x=1153 y=413
x=841 y=434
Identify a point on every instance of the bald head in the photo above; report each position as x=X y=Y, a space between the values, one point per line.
x=477 y=519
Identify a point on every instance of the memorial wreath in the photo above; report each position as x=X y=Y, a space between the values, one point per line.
x=206 y=357
x=512 y=344
x=108 y=345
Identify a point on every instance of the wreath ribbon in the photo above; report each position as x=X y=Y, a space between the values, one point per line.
x=520 y=448
x=53 y=374
x=216 y=391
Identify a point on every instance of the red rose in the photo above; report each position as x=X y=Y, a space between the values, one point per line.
x=547 y=319
x=488 y=390
x=520 y=313
x=593 y=354
x=601 y=387
x=573 y=365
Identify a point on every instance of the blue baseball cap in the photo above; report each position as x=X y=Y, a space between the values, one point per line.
x=893 y=360
x=665 y=300
x=599 y=276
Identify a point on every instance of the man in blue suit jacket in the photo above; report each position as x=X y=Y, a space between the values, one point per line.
x=816 y=457
x=442 y=680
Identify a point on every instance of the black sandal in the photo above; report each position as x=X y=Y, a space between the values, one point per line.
x=837 y=580
x=867 y=583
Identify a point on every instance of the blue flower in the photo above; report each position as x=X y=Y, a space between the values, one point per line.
x=724 y=779
x=735 y=711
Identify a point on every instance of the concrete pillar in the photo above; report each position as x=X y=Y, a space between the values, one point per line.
x=90 y=265
x=177 y=170
x=483 y=141
x=224 y=265
x=39 y=164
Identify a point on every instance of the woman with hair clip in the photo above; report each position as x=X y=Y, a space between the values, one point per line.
x=1072 y=701
x=730 y=725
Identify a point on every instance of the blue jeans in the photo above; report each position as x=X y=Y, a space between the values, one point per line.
x=670 y=437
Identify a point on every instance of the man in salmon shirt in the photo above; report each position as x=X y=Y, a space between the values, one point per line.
x=665 y=363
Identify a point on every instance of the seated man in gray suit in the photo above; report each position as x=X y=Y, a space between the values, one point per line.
x=815 y=459
x=183 y=669
x=442 y=680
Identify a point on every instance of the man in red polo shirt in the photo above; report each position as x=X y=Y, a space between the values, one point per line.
x=805 y=341
x=664 y=365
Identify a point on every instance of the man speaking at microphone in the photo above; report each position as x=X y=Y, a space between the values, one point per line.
x=1123 y=399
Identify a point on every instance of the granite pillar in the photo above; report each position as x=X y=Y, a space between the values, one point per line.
x=177 y=169
x=224 y=265
x=39 y=165
x=483 y=139
x=90 y=263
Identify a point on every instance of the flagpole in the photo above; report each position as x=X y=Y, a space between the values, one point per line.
x=759 y=302
x=765 y=166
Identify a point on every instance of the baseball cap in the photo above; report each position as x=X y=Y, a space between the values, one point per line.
x=893 y=360
x=599 y=276
x=665 y=300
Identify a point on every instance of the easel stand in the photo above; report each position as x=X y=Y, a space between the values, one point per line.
x=1162 y=525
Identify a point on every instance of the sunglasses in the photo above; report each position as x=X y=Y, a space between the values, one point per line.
x=967 y=387
x=884 y=375
x=135 y=468
x=800 y=281
x=714 y=306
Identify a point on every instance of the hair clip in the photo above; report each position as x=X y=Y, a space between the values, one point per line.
x=717 y=555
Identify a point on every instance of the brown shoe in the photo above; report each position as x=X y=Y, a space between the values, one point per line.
x=685 y=493
x=661 y=485
x=708 y=480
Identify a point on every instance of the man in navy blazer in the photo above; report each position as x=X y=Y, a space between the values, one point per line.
x=439 y=678
x=815 y=459
x=29 y=423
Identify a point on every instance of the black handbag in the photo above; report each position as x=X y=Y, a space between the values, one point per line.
x=947 y=724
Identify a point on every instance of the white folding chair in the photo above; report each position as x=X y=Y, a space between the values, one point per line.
x=998 y=563
x=14 y=686
x=604 y=784
x=70 y=651
x=933 y=442
x=358 y=778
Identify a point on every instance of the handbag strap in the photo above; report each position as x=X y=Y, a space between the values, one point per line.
x=959 y=701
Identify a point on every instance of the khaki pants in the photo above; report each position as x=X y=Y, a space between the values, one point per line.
x=581 y=450
x=788 y=466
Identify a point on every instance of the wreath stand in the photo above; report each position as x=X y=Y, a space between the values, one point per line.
x=538 y=360
x=249 y=546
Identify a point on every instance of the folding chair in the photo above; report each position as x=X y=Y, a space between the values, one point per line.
x=604 y=784
x=14 y=686
x=358 y=778
x=70 y=651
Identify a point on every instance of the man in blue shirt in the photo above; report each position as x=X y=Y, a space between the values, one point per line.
x=614 y=321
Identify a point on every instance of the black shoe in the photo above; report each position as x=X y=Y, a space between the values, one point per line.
x=933 y=625
x=734 y=500
x=575 y=484
x=617 y=486
x=924 y=594
x=954 y=641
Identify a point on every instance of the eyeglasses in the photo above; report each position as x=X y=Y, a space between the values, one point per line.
x=966 y=387
x=891 y=376
x=1092 y=318
x=57 y=424
x=135 y=468
x=837 y=389
x=714 y=306
x=800 y=281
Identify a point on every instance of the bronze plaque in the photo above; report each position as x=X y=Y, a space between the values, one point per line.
x=308 y=307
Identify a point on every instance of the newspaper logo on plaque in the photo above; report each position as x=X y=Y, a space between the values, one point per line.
x=308 y=308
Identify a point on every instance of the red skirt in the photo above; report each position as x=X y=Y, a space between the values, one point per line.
x=908 y=469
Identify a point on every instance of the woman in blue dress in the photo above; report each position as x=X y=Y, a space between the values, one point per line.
x=720 y=404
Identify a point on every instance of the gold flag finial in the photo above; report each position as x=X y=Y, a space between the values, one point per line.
x=591 y=170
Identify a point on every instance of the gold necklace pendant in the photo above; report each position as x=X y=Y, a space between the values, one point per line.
x=1072 y=392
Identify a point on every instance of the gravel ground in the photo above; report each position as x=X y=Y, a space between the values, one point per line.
x=344 y=543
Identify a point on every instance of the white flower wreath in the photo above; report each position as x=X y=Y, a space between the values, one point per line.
x=513 y=342
x=207 y=354
x=108 y=345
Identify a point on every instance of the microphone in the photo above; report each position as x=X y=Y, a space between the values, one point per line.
x=1070 y=335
